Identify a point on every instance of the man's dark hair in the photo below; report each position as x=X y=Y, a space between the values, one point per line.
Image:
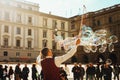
x=45 y=51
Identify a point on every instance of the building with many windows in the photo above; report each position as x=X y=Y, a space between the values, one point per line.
x=24 y=31
x=108 y=19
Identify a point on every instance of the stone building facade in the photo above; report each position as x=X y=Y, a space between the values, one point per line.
x=24 y=31
x=107 y=18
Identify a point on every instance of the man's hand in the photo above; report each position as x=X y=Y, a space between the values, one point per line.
x=78 y=42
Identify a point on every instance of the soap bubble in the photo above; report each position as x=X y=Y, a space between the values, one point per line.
x=90 y=40
x=86 y=49
x=114 y=39
x=109 y=41
x=58 y=38
x=93 y=48
x=108 y=61
x=102 y=50
x=104 y=45
x=111 y=47
x=101 y=32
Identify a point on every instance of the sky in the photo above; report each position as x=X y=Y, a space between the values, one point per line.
x=69 y=8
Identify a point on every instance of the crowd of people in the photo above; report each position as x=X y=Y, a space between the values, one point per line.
x=98 y=72
x=90 y=72
x=18 y=73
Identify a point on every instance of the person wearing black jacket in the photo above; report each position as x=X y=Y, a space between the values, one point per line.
x=63 y=74
x=18 y=72
x=5 y=72
x=1 y=72
x=10 y=73
x=107 y=72
x=97 y=72
x=81 y=71
x=75 y=71
x=25 y=72
x=34 y=72
x=91 y=72
x=41 y=75
x=116 y=71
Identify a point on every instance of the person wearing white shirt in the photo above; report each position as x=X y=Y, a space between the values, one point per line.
x=51 y=66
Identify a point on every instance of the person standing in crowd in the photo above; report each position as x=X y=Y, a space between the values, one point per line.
x=10 y=73
x=1 y=72
x=91 y=72
x=50 y=65
x=101 y=71
x=116 y=71
x=5 y=72
x=81 y=71
x=97 y=71
x=63 y=74
x=34 y=72
x=75 y=71
x=87 y=72
x=25 y=72
x=18 y=72
x=41 y=75
x=107 y=72
x=66 y=68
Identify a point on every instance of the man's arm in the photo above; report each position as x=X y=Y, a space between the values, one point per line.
x=38 y=60
x=63 y=58
x=69 y=54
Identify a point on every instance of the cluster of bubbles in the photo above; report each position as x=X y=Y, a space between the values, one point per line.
x=97 y=40
x=90 y=40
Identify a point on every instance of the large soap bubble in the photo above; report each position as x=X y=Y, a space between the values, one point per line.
x=90 y=40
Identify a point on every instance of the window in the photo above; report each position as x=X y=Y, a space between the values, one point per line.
x=110 y=20
x=29 y=32
x=53 y=45
x=17 y=43
x=72 y=26
x=18 y=30
x=18 y=18
x=5 y=53
x=44 y=33
x=29 y=54
x=62 y=25
x=54 y=24
x=72 y=35
x=98 y=22
x=17 y=54
x=30 y=20
x=7 y=16
x=29 y=44
x=6 y=29
x=44 y=22
x=5 y=42
x=44 y=43
x=63 y=35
